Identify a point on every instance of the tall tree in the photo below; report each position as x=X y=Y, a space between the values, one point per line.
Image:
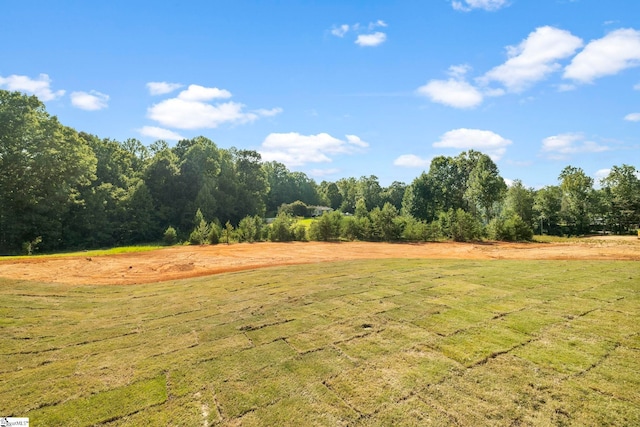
x=577 y=189
x=42 y=166
x=420 y=199
x=330 y=194
x=622 y=194
x=520 y=200
x=394 y=194
x=485 y=186
x=448 y=179
x=348 y=189
x=546 y=209
x=369 y=189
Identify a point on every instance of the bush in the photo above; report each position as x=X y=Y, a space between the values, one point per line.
x=387 y=224
x=200 y=234
x=299 y=233
x=296 y=208
x=280 y=230
x=30 y=247
x=170 y=236
x=421 y=231
x=351 y=229
x=247 y=230
x=327 y=227
x=226 y=234
x=459 y=225
x=214 y=233
x=510 y=228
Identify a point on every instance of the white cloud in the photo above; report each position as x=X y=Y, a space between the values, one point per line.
x=467 y=5
x=609 y=55
x=560 y=146
x=160 y=133
x=90 y=101
x=40 y=87
x=486 y=141
x=181 y=114
x=355 y=140
x=534 y=58
x=340 y=31
x=378 y=23
x=190 y=111
x=566 y=87
x=602 y=173
x=453 y=92
x=411 y=161
x=161 y=88
x=263 y=112
x=371 y=40
x=201 y=93
x=633 y=117
x=294 y=149
x=637 y=87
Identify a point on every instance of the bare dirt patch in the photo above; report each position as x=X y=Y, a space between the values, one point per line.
x=193 y=261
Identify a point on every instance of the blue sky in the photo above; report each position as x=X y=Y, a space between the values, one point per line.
x=344 y=88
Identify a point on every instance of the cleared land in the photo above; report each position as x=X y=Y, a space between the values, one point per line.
x=194 y=261
x=395 y=341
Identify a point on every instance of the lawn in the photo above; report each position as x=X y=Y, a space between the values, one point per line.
x=371 y=343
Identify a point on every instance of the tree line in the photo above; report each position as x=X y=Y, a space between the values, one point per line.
x=65 y=189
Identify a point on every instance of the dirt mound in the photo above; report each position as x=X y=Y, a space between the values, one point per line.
x=192 y=261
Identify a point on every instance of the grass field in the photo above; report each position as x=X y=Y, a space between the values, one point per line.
x=372 y=343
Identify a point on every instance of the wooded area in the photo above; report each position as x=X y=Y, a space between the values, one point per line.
x=64 y=189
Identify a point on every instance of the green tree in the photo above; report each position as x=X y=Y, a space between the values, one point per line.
x=509 y=227
x=280 y=230
x=546 y=209
x=459 y=225
x=348 y=190
x=201 y=230
x=368 y=189
x=577 y=189
x=330 y=194
x=161 y=177
x=327 y=227
x=43 y=166
x=485 y=187
x=247 y=230
x=622 y=194
x=520 y=200
x=394 y=194
x=227 y=232
x=170 y=236
x=387 y=223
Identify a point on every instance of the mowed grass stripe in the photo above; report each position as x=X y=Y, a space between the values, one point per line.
x=385 y=342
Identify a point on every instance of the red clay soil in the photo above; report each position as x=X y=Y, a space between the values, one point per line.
x=193 y=261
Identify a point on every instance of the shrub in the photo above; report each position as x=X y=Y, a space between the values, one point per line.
x=31 y=246
x=327 y=227
x=170 y=236
x=351 y=229
x=459 y=225
x=296 y=208
x=227 y=233
x=280 y=230
x=214 y=233
x=510 y=227
x=247 y=230
x=299 y=233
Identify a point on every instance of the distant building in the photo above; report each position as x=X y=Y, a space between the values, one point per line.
x=315 y=211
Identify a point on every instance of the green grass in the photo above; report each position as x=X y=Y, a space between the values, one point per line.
x=371 y=343
x=94 y=252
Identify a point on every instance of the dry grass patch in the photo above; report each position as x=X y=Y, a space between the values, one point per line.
x=373 y=343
